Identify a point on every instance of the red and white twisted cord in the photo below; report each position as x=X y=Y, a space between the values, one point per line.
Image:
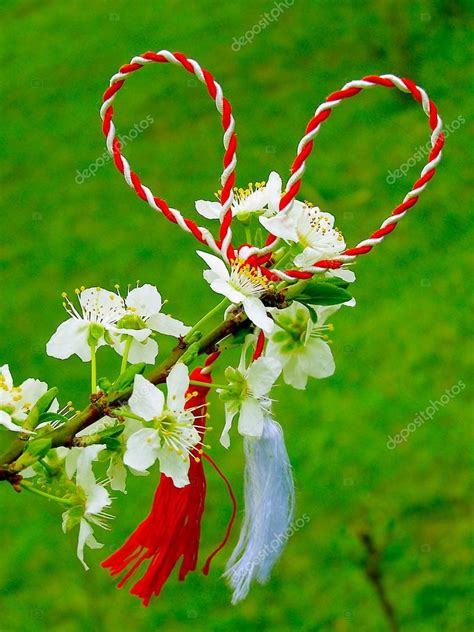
x=304 y=150
x=223 y=245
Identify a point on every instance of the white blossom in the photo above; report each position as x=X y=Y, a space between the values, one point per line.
x=309 y=227
x=92 y=499
x=253 y=199
x=301 y=346
x=17 y=401
x=243 y=284
x=247 y=395
x=90 y=325
x=143 y=313
x=171 y=435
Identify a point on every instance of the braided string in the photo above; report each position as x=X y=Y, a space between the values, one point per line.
x=223 y=245
x=304 y=150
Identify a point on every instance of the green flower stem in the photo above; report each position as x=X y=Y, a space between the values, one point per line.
x=296 y=288
x=129 y=415
x=278 y=323
x=207 y=385
x=248 y=234
x=283 y=259
x=207 y=317
x=31 y=488
x=93 y=369
x=126 y=351
x=48 y=469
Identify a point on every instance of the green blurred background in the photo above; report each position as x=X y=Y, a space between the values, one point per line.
x=404 y=345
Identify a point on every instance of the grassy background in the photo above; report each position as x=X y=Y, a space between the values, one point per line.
x=403 y=346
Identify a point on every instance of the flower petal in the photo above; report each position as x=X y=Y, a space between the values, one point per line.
x=251 y=418
x=137 y=334
x=142 y=449
x=209 y=210
x=177 y=383
x=281 y=225
x=31 y=391
x=230 y=413
x=273 y=191
x=70 y=462
x=71 y=337
x=262 y=375
x=255 y=310
x=144 y=301
x=97 y=499
x=117 y=473
x=223 y=287
x=344 y=274
x=316 y=359
x=143 y=351
x=293 y=374
x=101 y=306
x=164 y=324
x=146 y=400
x=84 y=475
x=215 y=264
x=255 y=201
x=6 y=422
x=86 y=537
x=324 y=312
x=7 y=376
x=175 y=466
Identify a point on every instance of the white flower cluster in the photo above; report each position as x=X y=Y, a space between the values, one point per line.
x=105 y=318
x=147 y=430
x=304 y=225
x=285 y=334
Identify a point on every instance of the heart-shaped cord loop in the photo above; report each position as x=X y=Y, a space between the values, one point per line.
x=304 y=150
x=223 y=245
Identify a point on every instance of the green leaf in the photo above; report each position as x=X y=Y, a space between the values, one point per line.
x=312 y=311
x=318 y=293
x=41 y=406
x=111 y=443
x=104 y=384
x=46 y=400
x=35 y=449
x=126 y=378
x=191 y=353
x=112 y=432
x=38 y=447
x=259 y=238
x=47 y=417
x=339 y=282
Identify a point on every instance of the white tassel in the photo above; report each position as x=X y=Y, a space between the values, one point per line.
x=269 y=510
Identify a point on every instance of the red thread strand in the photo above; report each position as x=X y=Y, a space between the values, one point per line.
x=207 y=565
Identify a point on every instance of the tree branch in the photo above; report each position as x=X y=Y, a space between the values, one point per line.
x=373 y=573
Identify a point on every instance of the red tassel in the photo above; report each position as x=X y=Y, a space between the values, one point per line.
x=173 y=527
